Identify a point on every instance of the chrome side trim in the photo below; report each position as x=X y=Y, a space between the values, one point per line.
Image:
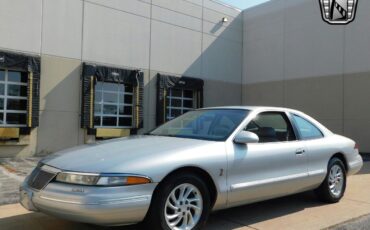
x=268 y=181
x=107 y=174
x=316 y=172
x=109 y=201
x=61 y=201
x=127 y=200
x=80 y=173
x=50 y=169
x=277 y=179
x=125 y=175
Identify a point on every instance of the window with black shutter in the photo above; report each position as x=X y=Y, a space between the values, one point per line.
x=178 y=101
x=19 y=94
x=13 y=98
x=177 y=95
x=113 y=105
x=112 y=101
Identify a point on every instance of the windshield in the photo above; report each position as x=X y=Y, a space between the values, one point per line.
x=209 y=124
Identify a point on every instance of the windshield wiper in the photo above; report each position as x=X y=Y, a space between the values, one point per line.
x=157 y=135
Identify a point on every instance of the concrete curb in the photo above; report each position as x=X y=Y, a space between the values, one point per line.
x=352 y=224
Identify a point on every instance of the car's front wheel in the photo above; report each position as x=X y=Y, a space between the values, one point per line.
x=332 y=189
x=181 y=202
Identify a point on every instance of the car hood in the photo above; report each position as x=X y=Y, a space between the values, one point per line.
x=124 y=155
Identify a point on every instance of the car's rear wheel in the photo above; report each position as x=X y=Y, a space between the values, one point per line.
x=181 y=202
x=334 y=185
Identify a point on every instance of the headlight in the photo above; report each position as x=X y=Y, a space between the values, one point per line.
x=102 y=179
x=83 y=179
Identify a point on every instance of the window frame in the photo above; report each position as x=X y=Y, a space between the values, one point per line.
x=167 y=82
x=286 y=117
x=182 y=98
x=5 y=98
x=301 y=138
x=118 y=93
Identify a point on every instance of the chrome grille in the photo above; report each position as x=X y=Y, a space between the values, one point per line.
x=40 y=178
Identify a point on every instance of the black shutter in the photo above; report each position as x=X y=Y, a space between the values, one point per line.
x=87 y=105
x=166 y=82
x=138 y=101
x=92 y=73
x=161 y=100
x=34 y=79
x=30 y=64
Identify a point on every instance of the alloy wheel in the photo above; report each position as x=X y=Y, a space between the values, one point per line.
x=183 y=207
x=336 y=180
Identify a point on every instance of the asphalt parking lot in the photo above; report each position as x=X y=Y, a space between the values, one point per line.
x=300 y=211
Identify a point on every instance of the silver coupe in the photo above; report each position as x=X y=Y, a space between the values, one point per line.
x=205 y=160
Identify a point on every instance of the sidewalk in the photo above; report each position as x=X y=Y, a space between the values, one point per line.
x=12 y=173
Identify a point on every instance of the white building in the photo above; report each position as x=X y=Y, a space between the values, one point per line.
x=108 y=68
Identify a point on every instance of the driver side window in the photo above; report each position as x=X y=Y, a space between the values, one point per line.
x=271 y=127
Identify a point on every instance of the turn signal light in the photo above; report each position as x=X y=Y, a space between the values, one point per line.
x=131 y=180
x=122 y=180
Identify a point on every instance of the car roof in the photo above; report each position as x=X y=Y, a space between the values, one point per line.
x=255 y=108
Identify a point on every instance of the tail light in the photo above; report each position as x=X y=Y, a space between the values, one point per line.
x=357 y=146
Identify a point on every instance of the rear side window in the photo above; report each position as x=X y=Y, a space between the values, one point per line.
x=307 y=129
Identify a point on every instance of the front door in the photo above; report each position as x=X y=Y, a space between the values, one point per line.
x=275 y=166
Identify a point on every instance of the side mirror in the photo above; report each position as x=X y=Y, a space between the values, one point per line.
x=246 y=137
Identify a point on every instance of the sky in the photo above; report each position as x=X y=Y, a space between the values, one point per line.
x=244 y=4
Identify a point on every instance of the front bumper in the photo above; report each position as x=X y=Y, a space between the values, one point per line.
x=107 y=206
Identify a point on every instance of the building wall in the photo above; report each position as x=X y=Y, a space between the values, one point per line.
x=281 y=51
x=293 y=58
x=178 y=37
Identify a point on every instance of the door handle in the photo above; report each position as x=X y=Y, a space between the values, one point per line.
x=300 y=151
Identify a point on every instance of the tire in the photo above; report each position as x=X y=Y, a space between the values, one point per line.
x=156 y=217
x=331 y=191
